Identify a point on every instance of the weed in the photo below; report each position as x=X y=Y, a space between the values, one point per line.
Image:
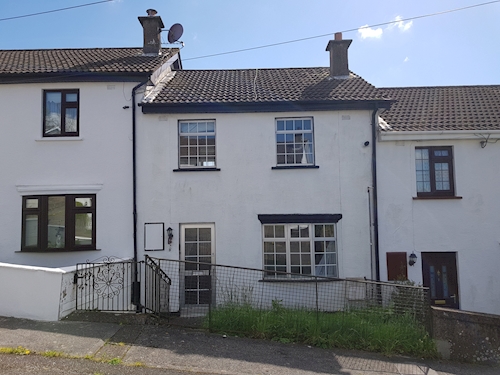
x=52 y=354
x=19 y=351
x=137 y=364
x=374 y=329
x=114 y=361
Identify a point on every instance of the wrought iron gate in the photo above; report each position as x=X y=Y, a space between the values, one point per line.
x=113 y=284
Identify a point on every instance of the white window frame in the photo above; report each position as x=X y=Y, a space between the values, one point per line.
x=291 y=151
x=204 y=160
x=310 y=240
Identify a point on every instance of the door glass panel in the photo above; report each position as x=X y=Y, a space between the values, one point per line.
x=433 y=281
x=446 y=293
x=56 y=222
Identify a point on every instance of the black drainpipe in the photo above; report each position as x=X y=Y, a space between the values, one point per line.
x=136 y=283
x=375 y=202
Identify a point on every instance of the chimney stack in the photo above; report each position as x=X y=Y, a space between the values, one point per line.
x=339 y=63
x=152 y=26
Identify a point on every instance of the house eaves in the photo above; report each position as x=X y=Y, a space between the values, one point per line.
x=249 y=107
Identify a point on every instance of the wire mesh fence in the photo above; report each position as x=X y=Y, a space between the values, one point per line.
x=224 y=294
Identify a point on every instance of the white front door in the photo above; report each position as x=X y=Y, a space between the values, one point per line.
x=197 y=245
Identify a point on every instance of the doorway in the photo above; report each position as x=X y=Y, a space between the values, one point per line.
x=440 y=276
x=197 y=245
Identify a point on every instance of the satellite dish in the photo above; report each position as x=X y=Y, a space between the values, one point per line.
x=175 y=32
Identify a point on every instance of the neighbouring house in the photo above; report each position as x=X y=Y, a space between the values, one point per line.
x=67 y=149
x=261 y=168
x=438 y=182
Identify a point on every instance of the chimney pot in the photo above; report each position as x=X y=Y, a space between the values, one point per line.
x=151 y=12
x=338 y=36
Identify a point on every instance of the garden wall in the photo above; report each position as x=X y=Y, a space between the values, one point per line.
x=467 y=336
x=37 y=293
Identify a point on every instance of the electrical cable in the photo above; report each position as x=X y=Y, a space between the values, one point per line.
x=54 y=10
x=344 y=31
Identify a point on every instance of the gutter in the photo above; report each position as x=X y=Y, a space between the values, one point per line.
x=375 y=201
x=136 y=284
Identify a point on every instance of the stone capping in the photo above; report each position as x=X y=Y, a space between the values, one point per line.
x=467 y=336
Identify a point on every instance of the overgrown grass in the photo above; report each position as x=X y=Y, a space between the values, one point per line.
x=374 y=329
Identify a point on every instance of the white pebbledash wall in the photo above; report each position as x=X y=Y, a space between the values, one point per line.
x=99 y=161
x=246 y=185
x=467 y=226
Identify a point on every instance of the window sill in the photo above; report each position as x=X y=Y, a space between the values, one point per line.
x=438 y=197
x=319 y=279
x=49 y=139
x=55 y=251
x=296 y=167
x=197 y=170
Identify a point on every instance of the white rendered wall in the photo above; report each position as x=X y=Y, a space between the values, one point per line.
x=467 y=226
x=247 y=186
x=30 y=292
x=100 y=159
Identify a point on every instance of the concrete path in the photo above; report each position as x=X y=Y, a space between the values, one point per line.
x=161 y=349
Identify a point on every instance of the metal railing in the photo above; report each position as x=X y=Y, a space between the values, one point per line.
x=106 y=284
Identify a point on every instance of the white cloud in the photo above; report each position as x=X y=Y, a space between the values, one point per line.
x=400 y=24
x=406 y=59
x=367 y=32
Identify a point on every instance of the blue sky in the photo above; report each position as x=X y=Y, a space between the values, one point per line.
x=459 y=48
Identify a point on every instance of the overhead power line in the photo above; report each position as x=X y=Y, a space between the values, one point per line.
x=343 y=31
x=55 y=10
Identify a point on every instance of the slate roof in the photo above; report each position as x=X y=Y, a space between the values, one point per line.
x=263 y=86
x=20 y=63
x=443 y=108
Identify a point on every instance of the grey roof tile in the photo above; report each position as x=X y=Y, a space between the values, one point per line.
x=263 y=85
x=443 y=108
x=84 y=60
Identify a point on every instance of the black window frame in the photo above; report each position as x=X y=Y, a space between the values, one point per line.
x=70 y=212
x=64 y=105
x=433 y=160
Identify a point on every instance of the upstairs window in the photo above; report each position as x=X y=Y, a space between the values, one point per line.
x=197 y=144
x=434 y=169
x=60 y=113
x=294 y=141
x=59 y=223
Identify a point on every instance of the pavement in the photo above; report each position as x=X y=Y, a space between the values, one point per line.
x=122 y=347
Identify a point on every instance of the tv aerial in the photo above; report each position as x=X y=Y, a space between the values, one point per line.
x=174 y=33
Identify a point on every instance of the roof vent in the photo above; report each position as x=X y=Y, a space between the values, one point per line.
x=152 y=25
x=339 y=63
